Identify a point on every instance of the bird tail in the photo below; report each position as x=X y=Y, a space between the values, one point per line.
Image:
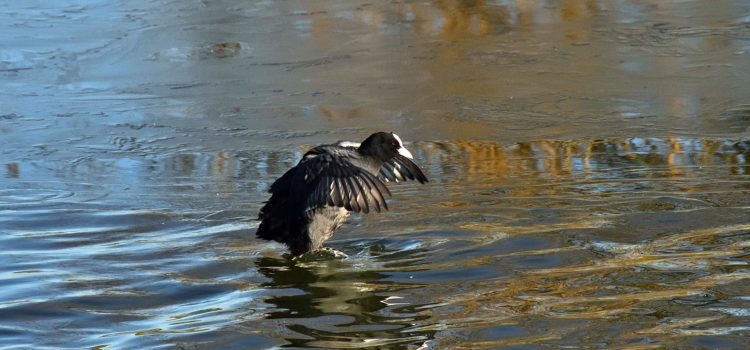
x=278 y=224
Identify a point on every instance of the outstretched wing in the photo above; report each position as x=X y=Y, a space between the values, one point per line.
x=323 y=179
x=401 y=168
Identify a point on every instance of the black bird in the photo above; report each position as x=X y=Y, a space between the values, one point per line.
x=313 y=199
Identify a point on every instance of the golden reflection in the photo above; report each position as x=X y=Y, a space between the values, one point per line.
x=453 y=20
x=409 y=56
x=574 y=10
x=223 y=164
x=458 y=19
x=674 y=326
x=672 y=157
x=224 y=168
x=520 y=341
x=582 y=291
x=578 y=12
x=525 y=12
x=603 y=288
x=508 y=179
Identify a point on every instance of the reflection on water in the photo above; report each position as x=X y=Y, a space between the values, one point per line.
x=332 y=305
x=438 y=70
x=534 y=243
x=588 y=163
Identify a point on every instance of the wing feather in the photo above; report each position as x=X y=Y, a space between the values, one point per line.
x=345 y=193
x=386 y=173
x=377 y=189
x=400 y=168
x=361 y=195
x=324 y=177
x=334 y=193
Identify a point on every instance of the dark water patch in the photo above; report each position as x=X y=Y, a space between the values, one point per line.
x=444 y=275
x=716 y=342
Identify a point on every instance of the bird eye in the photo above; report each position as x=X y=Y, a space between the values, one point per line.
x=394 y=143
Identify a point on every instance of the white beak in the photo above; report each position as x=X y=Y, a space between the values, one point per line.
x=405 y=152
x=401 y=149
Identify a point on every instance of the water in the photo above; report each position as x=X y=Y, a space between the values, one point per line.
x=588 y=165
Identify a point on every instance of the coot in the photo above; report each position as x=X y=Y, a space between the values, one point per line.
x=313 y=199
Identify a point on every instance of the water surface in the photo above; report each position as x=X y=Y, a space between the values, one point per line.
x=588 y=165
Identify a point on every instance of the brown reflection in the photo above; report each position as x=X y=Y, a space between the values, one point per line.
x=670 y=157
x=184 y=164
x=11 y=170
x=614 y=289
x=225 y=49
x=578 y=12
x=575 y=10
x=223 y=170
x=577 y=185
x=458 y=18
x=642 y=286
x=472 y=68
x=525 y=12
x=485 y=158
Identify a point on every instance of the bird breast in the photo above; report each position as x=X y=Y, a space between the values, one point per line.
x=324 y=222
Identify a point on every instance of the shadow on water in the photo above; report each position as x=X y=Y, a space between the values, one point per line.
x=329 y=304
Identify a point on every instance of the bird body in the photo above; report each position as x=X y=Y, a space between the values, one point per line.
x=314 y=198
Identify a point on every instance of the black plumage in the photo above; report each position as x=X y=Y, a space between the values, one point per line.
x=313 y=199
